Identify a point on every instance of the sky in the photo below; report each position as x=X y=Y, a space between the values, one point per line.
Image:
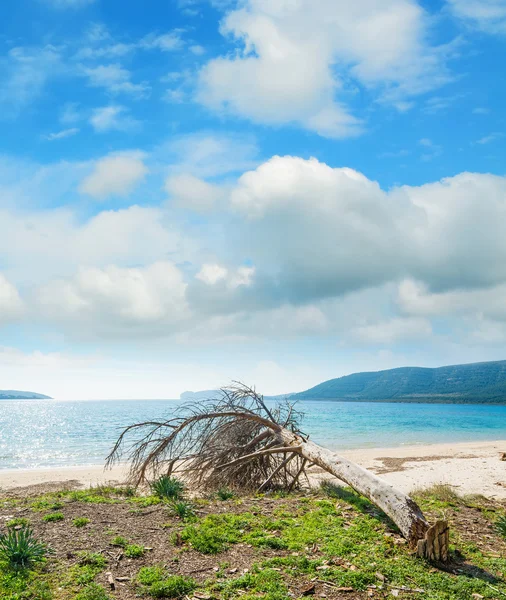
x=273 y=191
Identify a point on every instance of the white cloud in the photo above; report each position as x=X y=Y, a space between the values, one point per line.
x=486 y=15
x=11 y=305
x=42 y=245
x=415 y=298
x=296 y=57
x=356 y=235
x=190 y=192
x=115 y=175
x=167 y=42
x=210 y=154
x=197 y=50
x=487 y=139
x=211 y=274
x=119 y=301
x=400 y=329
x=116 y=80
x=26 y=72
x=60 y=135
x=113 y=117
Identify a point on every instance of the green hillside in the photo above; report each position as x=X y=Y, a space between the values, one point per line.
x=473 y=383
x=17 y=395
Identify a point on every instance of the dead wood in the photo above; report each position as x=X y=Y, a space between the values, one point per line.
x=237 y=440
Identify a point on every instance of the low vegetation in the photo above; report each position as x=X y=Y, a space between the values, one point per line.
x=20 y=550
x=168 y=488
x=330 y=543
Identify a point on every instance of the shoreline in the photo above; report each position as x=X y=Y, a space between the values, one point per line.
x=469 y=467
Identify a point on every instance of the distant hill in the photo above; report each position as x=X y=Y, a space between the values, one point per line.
x=478 y=383
x=17 y=395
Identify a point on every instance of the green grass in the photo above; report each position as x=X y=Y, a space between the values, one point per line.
x=183 y=509
x=119 y=541
x=292 y=538
x=134 y=551
x=501 y=526
x=225 y=494
x=93 y=591
x=18 y=522
x=158 y=583
x=80 y=522
x=53 y=517
x=168 y=488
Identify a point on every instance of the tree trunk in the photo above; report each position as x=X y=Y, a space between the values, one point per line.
x=430 y=542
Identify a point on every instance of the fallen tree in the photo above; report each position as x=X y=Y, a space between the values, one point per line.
x=237 y=440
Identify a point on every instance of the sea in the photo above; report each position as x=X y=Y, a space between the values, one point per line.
x=55 y=433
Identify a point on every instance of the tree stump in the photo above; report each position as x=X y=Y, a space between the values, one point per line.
x=434 y=547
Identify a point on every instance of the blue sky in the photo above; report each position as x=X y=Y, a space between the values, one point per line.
x=278 y=191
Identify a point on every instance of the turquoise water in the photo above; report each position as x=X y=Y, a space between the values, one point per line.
x=36 y=434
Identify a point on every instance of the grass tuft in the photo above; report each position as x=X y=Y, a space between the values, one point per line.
x=157 y=583
x=168 y=488
x=80 y=522
x=501 y=526
x=93 y=591
x=183 y=509
x=119 y=541
x=53 y=517
x=18 y=522
x=20 y=549
x=134 y=551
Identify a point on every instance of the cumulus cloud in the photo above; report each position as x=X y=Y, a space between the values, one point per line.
x=487 y=15
x=294 y=237
x=40 y=246
x=117 y=300
x=296 y=56
x=114 y=175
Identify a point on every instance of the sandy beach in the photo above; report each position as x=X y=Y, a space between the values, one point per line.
x=471 y=468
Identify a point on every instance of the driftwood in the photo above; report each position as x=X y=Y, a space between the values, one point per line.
x=236 y=440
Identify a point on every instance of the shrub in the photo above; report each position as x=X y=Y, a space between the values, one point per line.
x=93 y=592
x=53 y=517
x=20 y=549
x=134 y=551
x=183 y=509
x=501 y=526
x=225 y=494
x=168 y=488
x=80 y=522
